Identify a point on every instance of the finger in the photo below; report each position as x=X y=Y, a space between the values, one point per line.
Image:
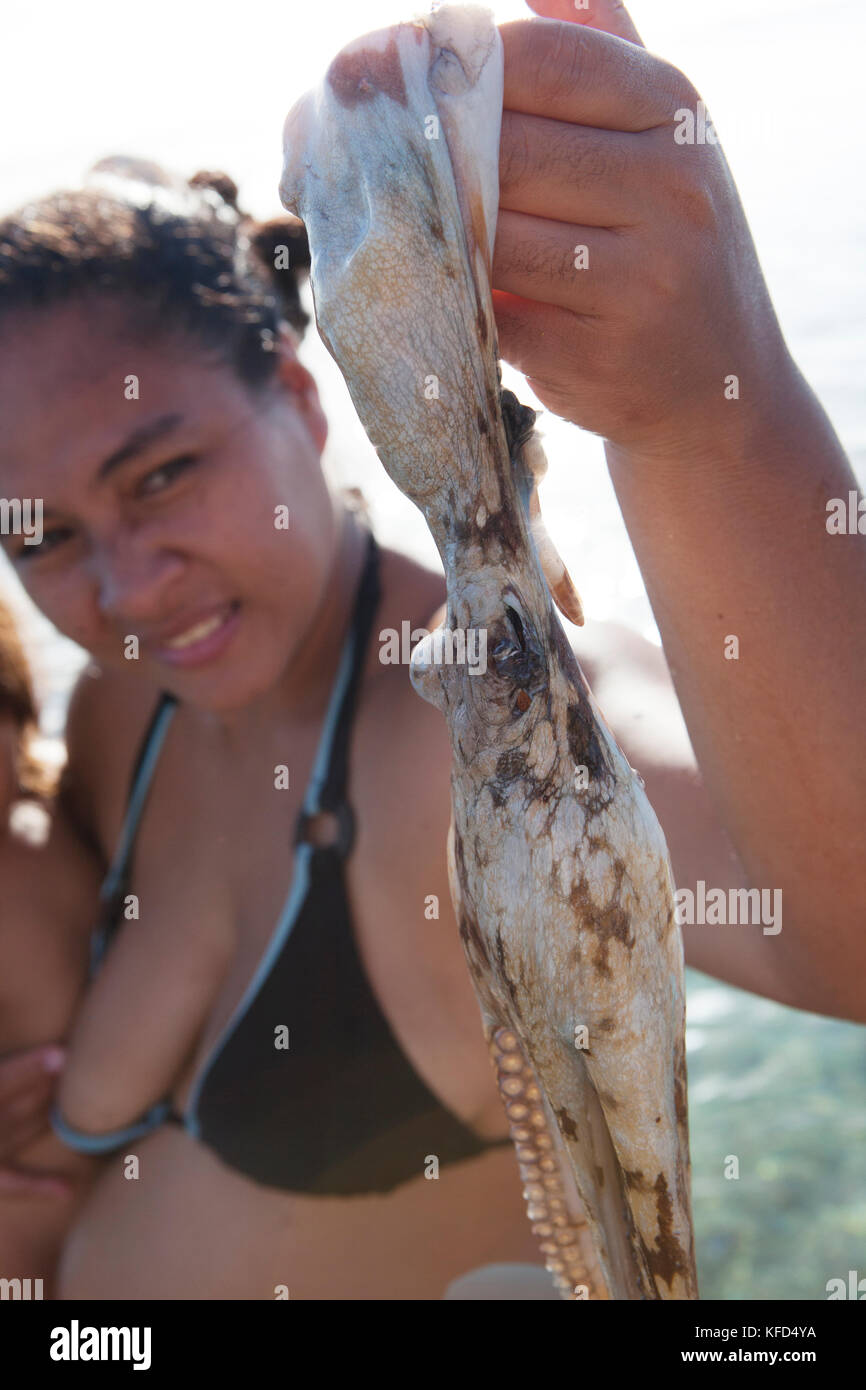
x=582 y=269
x=28 y=1113
x=26 y=1104
x=24 y=1134
x=544 y=342
x=572 y=173
x=571 y=73
x=19 y=1182
x=25 y=1116
x=24 y=1069
x=611 y=16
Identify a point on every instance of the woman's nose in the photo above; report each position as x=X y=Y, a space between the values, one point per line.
x=134 y=581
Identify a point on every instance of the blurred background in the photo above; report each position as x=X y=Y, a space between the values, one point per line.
x=781 y=1090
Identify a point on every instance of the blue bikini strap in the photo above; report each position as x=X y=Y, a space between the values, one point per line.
x=116 y=882
x=116 y=1138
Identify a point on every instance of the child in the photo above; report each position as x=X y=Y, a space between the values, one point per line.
x=48 y=891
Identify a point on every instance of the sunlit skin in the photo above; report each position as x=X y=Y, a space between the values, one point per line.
x=148 y=546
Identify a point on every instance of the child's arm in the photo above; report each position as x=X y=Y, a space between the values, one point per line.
x=46 y=913
x=28 y=1083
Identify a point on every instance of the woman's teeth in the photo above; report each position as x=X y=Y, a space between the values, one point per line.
x=196 y=633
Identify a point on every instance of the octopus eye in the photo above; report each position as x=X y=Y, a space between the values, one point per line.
x=517 y=626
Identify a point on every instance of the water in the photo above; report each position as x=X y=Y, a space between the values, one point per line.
x=781 y=1091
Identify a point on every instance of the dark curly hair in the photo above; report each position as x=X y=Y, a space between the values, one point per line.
x=182 y=250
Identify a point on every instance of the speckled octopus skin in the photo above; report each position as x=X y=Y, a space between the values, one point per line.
x=563 y=891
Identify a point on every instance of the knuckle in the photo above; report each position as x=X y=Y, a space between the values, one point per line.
x=677 y=85
x=696 y=205
x=685 y=177
x=679 y=91
x=659 y=281
x=690 y=193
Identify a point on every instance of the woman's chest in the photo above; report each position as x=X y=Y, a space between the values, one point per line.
x=242 y=921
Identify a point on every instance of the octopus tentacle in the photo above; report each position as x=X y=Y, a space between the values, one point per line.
x=558 y=867
x=564 y=1237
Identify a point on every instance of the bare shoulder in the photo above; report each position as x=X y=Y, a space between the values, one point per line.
x=107 y=715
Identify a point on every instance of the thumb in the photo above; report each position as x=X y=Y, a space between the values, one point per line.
x=611 y=16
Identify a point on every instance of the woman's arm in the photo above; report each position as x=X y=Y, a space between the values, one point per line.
x=665 y=343
x=735 y=546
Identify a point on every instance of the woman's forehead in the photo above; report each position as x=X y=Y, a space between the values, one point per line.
x=77 y=341
x=76 y=378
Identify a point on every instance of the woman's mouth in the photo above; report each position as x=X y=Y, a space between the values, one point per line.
x=202 y=640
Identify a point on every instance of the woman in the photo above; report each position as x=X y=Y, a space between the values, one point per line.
x=232 y=1066
x=256 y=651
x=181 y=427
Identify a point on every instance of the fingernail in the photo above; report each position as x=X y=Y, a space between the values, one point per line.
x=53 y=1059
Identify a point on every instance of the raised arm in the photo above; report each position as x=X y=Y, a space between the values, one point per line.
x=666 y=344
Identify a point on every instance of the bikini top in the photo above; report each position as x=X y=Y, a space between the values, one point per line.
x=306 y=1088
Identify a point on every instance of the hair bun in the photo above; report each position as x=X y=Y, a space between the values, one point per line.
x=280 y=248
x=267 y=238
x=221 y=184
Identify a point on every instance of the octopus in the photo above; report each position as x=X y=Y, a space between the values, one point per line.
x=558 y=867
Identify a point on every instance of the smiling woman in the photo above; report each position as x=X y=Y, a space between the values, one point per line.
x=279 y=1030
x=128 y=262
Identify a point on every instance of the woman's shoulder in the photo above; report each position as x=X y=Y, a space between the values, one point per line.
x=410 y=604
x=106 y=719
x=412 y=595
x=403 y=746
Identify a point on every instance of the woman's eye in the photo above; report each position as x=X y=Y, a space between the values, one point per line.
x=49 y=542
x=161 y=478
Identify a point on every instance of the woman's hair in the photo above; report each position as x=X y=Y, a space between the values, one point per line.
x=181 y=250
x=18 y=705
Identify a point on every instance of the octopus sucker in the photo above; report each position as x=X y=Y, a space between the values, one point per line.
x=561 y=884
x=564 y=1238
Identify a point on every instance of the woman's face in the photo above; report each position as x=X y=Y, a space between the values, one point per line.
x=164 y=516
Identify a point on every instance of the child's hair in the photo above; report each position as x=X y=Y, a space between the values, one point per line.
x=181 y=250
x=18 y=704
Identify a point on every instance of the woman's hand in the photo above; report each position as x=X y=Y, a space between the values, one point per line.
x=28 y=1082
x=626 y=284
